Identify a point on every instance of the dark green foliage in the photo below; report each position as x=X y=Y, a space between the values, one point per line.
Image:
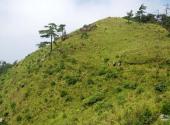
x=141 y=117
x=130 y=86
x=84 y=35
x=121 y=99
x=19 y=118
x=13 y=105
x=160 y=87
x=102 y=71
x=3 y=123
x=53 y=83
x=63 y=93
x=111 y=74
x=4 y=66
x=139 y=90
x=68 y=98
x=146 y=117
x=166 y=108
x=28 y=117
x=106 y=60
x=93 y=99
x=63 y=31
x=108 y=73
x=103 y=106
x=117 y=90
x=140 y=13
x=129 y=15
x=51 y=70
x=49 y=32
x=71 y=80
x=90 y=82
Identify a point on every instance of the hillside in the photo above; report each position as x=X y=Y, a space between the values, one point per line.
x=120 y=75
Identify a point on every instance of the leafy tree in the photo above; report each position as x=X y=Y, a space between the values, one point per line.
x=149 y=18
x=140 y=12
x=63 y=31
x=129 y=15
x=4 y=66
x=50 y=31
x=166 y=23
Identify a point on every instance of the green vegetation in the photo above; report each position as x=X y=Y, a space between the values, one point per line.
x=4 y=66
x=119 y=75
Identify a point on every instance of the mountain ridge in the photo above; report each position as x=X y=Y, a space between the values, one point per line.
x=118 y=75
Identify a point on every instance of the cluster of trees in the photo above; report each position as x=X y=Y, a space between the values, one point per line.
x=4 y=66
x=54 y=32
x=142 y=16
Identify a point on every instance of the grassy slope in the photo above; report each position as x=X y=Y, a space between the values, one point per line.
x=37 y=90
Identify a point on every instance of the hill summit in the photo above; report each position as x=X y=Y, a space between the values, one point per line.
x=119 y=75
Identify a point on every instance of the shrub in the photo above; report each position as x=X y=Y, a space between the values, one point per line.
x=117 y=90
x=13 y=105
x=111 y=74
x=60 y=66
x=19 y=118
x=139 y=90
x=142 y=116
x=28 y=117
x=90 y=82
x=68 y=98
x=146 y=117
x=71 y=80
x=103 y=106
x=130 y=86
x=121 y=99
x=102 y=71
x=53 y=83
x=106 y=60
x=93 y=99
x=160 y=87
x=166 y=108
x=3 y=123
x=63 y=93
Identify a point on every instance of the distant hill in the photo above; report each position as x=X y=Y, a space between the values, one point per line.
x=119 y=75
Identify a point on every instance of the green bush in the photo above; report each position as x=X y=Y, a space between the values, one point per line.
x=166 y=108
x=68 y=98
x=146 y=117
x=160 y=87
x=142 y=116
x=53 y=83
x=60 y=66
x=139 y=90
x=103 y=106
x=93 y=99
x=102 y=71
x=63 y=93
x=117 y=90
x=13 y=105
x=106 y=60
x=28 y=117
x=130 y=86
x=71 y=80
x=90 y=82
x=3 y=123
x=111 y=74
x=19 y=118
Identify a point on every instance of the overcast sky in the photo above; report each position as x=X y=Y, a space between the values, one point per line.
x=20 y=20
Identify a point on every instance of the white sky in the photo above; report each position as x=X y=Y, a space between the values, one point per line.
x=20 y=20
